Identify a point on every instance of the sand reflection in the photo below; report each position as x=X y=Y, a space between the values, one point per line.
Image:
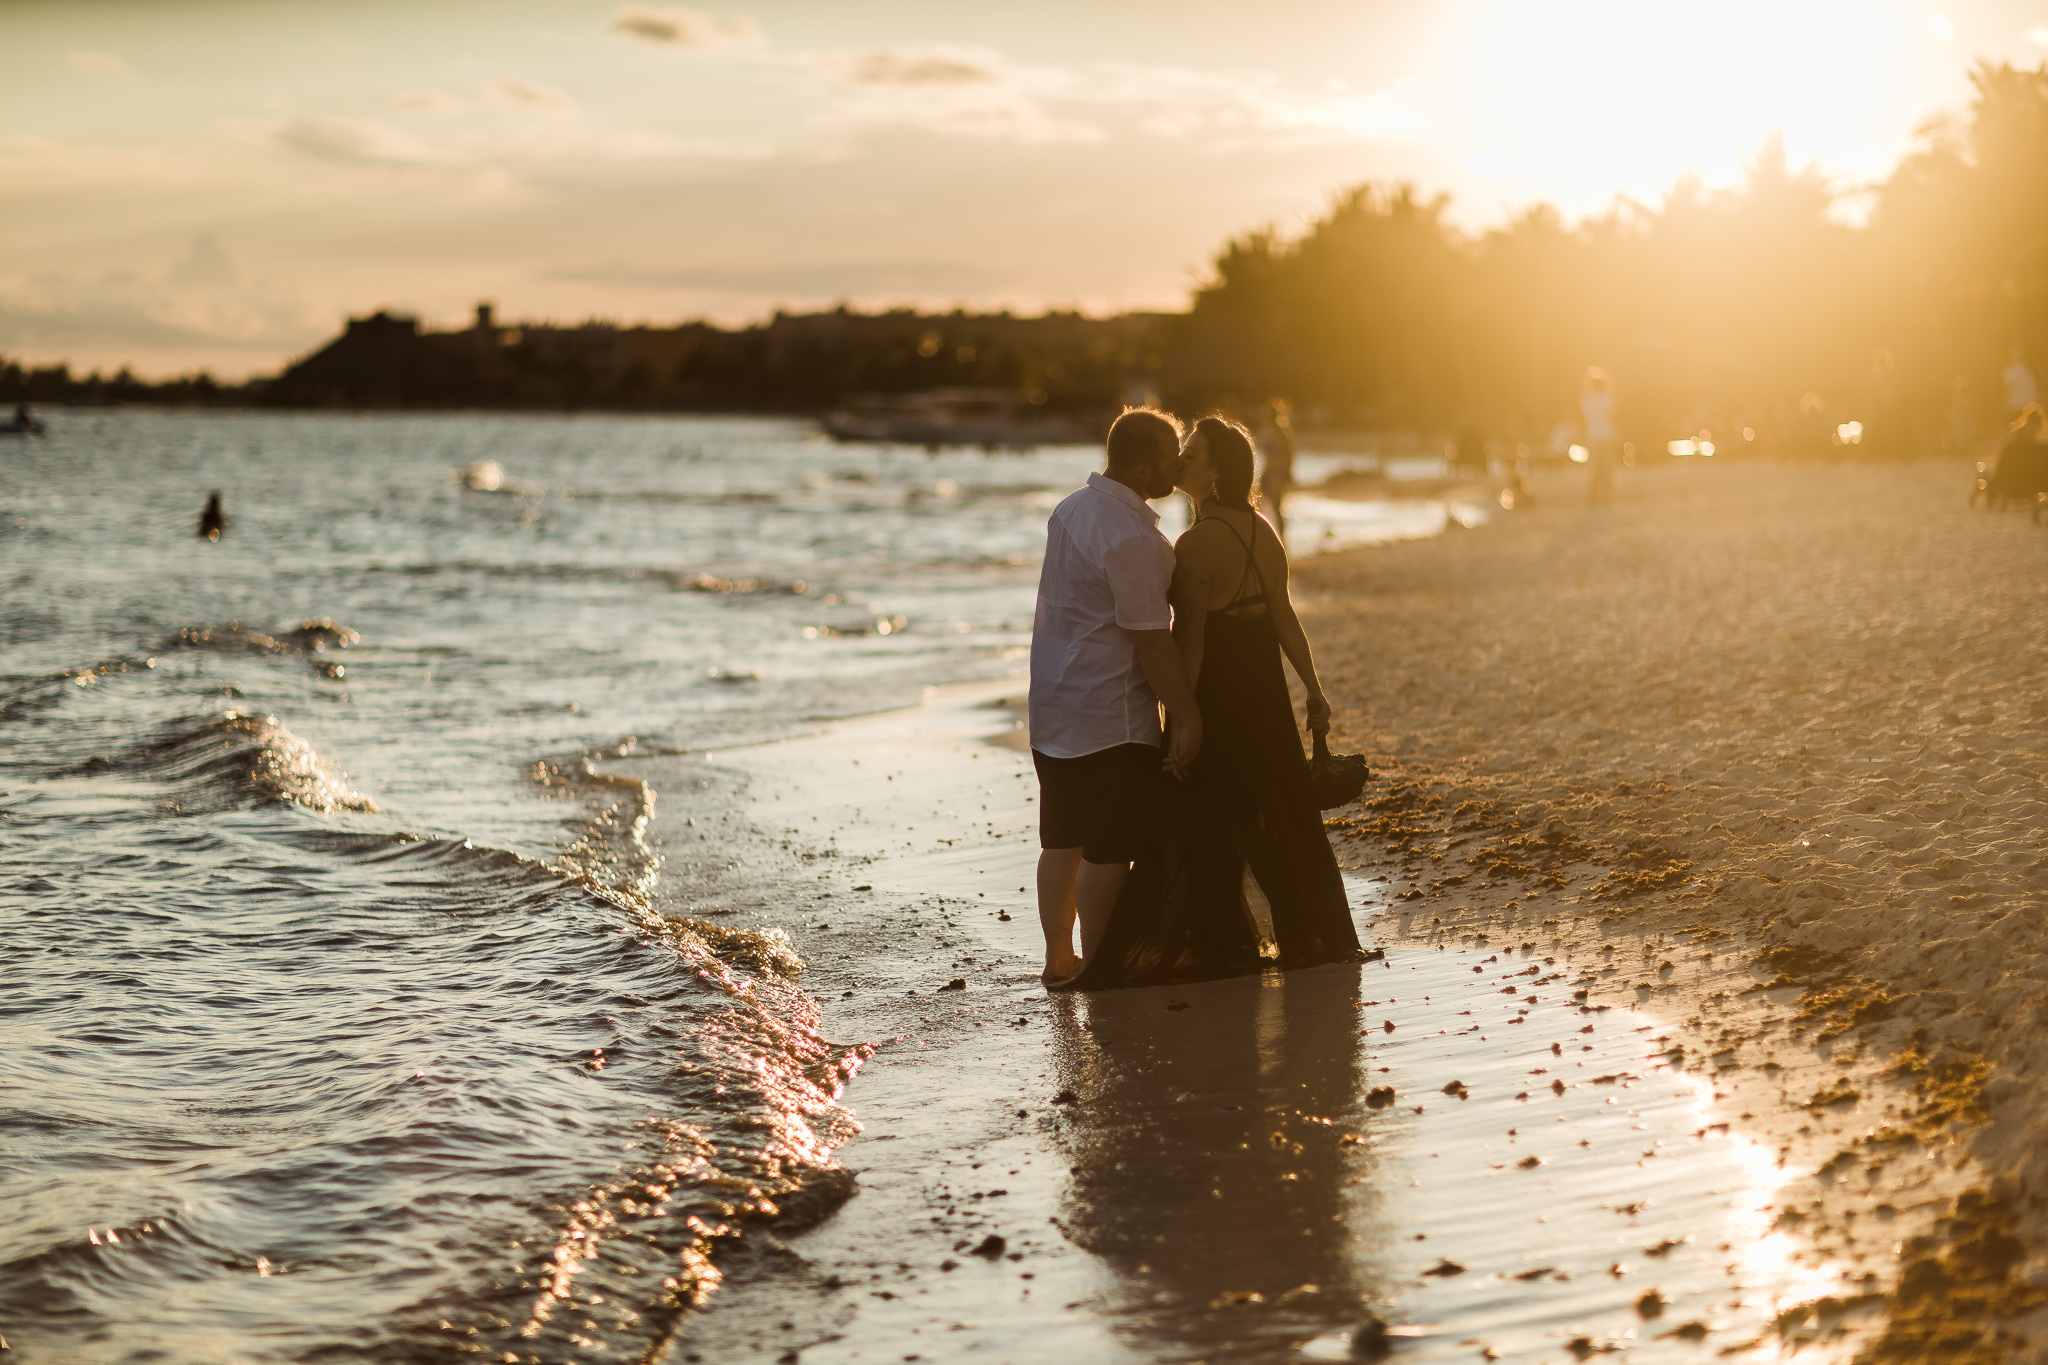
x=1214 y=1151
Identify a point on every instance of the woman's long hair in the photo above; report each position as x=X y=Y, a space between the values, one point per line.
x=1230 y=451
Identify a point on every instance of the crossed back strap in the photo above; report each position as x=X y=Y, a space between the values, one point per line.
x=1251 y=570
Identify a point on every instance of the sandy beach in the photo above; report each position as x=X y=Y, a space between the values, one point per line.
x=1733 y=784
x=1787 y=721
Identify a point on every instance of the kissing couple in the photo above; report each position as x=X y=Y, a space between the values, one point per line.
x=1196 y=851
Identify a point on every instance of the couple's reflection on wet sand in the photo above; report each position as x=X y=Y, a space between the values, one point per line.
x=1219 y=1167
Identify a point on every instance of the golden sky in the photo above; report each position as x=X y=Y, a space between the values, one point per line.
x=218 y=182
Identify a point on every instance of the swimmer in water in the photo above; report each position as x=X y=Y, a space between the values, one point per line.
x=213 y=521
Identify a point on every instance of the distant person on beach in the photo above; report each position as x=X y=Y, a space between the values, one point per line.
x=2020 y=390
x=1102 y=661
x=1276 y=446
x=25 y=421
x=213 y=522
x=1247 y=806
x=1596 y=409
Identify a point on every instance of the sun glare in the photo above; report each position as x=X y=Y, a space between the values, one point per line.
x=1587 y=99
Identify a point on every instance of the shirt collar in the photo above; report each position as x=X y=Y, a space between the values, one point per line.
x=1123 y=493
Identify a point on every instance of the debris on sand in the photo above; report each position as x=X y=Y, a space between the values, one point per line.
x=1369 y=1340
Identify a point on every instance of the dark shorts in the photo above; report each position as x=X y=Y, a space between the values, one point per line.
x=1107 y=804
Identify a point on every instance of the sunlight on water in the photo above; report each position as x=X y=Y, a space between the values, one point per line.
x=338 y=1010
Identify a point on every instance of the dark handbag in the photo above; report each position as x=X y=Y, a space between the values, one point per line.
x=1335 y=779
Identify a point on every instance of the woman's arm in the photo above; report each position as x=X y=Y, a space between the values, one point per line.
x=1190 y=597
x=1294 y=642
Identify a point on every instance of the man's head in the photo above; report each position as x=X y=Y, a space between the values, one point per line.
x=1144 y=451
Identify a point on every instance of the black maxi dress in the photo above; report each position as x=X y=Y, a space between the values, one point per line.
x=1246 y=803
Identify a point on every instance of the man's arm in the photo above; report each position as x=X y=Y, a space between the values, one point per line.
x=1190 y=597
x=1161 y=662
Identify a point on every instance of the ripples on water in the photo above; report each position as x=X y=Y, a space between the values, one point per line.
x=330 y=1032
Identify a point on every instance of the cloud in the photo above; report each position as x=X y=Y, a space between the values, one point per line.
x=1246 y=109
x=37 y=165
x=96 y=63
x=824 y=280
x=628 y=144
x=204 y=266
x=898 y=68
x=494 y=157
x=948 y=92
x=353 y=143
x=176 y=319
x=517 y=94
x=429 y=102
x=964 y=93
x=2038 y=36
x=685 y=28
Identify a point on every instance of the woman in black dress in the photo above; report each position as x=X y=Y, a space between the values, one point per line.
x=1246 y=805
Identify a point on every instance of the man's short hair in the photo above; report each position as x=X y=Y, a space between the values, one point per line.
x=1142 y=436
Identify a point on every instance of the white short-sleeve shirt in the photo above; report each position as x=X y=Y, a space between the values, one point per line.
x=1107 y=572
x=1598 y=410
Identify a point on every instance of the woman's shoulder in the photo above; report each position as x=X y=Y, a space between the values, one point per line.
x=1268 y=540
x=1206 y=531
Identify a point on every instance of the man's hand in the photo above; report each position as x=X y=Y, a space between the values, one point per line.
x=1161 y=662
x=1183 y=742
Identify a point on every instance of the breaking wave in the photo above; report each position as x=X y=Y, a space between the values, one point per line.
x=239 y=759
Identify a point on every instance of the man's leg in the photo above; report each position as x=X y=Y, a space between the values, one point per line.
x=1096 y=887
x=1057 y=888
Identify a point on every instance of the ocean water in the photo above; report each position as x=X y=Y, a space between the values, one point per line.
x=335 y=1023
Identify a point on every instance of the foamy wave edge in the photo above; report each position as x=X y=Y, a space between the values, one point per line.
x=256 y=757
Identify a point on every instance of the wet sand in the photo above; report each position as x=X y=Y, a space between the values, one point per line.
x=1238 y=1170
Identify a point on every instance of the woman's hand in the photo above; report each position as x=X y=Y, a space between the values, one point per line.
x=1318 y=713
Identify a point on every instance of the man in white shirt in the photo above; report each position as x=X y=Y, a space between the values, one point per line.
x=1102 y=661
x=2020 y=390
x=1596 y=406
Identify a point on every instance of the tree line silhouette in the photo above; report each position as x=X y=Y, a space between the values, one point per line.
x=1759 y=306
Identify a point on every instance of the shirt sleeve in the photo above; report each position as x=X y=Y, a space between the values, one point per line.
x=1140 y=573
